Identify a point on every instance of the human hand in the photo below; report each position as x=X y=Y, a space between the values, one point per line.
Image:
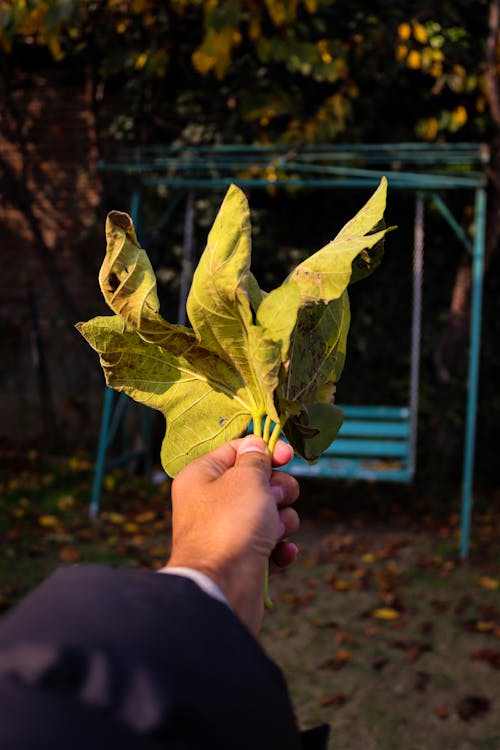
x=230 y=516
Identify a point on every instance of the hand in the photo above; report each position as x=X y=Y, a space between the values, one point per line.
x=231 y=513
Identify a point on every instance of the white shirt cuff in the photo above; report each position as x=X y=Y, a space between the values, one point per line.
x=201 y=579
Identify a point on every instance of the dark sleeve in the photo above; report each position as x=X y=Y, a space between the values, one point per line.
x=98 y=657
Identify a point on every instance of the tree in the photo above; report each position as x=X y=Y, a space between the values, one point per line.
x=267 y=71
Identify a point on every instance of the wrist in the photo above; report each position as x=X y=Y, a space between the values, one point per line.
x=242 y=589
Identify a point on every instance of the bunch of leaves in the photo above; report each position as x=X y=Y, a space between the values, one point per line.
x=271 y=359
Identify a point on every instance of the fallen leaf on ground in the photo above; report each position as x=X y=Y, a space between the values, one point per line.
x=69 y=554
x=441 y=711
x=333 y=700
x=473 y=707
x=487 y=655
x=489 y=583
x=386 y=613
x=48 y=521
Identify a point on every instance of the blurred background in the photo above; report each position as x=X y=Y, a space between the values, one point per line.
x=81 y=82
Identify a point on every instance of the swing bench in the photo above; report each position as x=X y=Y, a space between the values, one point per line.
x=375 y=443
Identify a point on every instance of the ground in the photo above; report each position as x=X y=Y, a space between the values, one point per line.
x=379 y=628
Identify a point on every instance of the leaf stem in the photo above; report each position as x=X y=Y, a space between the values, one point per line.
x=274 y=437
x=257 y=425
x=267 y=429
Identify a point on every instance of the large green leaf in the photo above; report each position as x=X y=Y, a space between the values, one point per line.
x=218 y=304
x=318 y=351
x=314 y=430
x=204 y=405
x=128 y=284
x=324 y=275
x=249 y=354
x=322 y=278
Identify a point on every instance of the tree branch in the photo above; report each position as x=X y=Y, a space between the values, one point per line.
x=491 y=61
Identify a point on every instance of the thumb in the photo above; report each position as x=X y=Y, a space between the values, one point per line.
x=253 y=451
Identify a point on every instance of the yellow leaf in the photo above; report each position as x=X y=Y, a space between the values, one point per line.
x=141 y=60
x=254 y=29
x=130 y=527
x=484 y=626
x=413 y=59
x=341 y=585
x=404 y=31
x=459 y=116
x=115 y=518
x=66 y=502
x=401 y=51
x=489 y=583
x=311 y=5
x=145 y=517
x=420 y=33
x=386 y=613
x=48 y=521
x=109 y=482
x=202 y=62
x=368 y=558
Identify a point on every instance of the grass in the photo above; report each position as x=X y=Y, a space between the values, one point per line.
x=380 y=631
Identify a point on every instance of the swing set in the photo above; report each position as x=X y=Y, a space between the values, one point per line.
x=376 y=442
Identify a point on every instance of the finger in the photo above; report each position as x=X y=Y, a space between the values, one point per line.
x=284 y=554
x=283 y=453
x=215 y=463
x=252 y=453
x=289 y=522
x=284 y=487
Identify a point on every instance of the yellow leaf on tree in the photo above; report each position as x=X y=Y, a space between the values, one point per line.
x=48 y=521
x=413 y=59
x=459 y=116
x=489 y=583
x=420 y=33
x=311 y=5
x=386 y=613
x=141 y=60
x=202 y=62
x=401 y=51
x=404 y=31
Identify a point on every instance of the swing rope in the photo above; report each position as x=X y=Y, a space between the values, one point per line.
x=418 y=271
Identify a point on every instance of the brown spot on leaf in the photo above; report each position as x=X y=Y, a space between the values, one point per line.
x=120 y=219
x=113 y=282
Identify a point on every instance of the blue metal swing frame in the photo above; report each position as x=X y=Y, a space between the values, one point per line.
x=375 y=442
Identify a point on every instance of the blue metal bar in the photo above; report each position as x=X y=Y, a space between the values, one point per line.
x=368 y=447
x=375 y=429
x=448 y=216
x=350 y=468
x=473 y=378
x=422 y=182
x=376 y=412
x=100 y=463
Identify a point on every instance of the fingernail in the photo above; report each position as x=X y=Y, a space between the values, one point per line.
x=251 y=445
x=277 y=492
